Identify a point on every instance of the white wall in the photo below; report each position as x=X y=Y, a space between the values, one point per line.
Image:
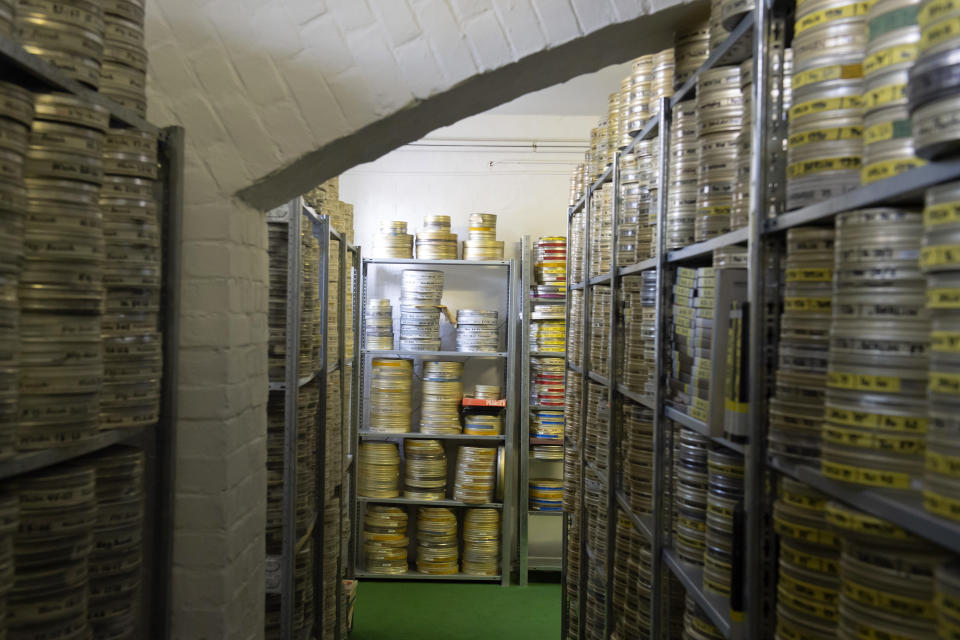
x=528 y=190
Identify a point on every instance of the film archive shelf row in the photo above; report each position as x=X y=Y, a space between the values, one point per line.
x=848 y=388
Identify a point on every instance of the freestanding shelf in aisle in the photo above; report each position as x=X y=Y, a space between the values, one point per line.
x=550 y=519
x=489 y=284
x=158 y=441
x=295 y=217
x=751 y=612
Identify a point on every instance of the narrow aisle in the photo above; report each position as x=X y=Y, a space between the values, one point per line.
x=442 y=611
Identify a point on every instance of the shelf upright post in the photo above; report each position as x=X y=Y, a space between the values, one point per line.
x=584 y=388
x=564 y=601
x=291 y=377
x=613 y=416
x=164 y=437
x=510 y=508
x=344 y=417
x=662 y=434
x=354 y=425
x=523 y=508
x=768 y=30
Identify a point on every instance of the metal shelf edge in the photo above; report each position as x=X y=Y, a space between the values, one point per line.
x=715 y=57
x=643 y=523
x=429 y=503
x=375 y=435
x=901 y=507
x=636 y=397
x=596 y=377
x=413 y=575
x=716 y=607
x=380 y=353
x=644 y=265
x=736 y=236
x=26 y=461
x=452 y=263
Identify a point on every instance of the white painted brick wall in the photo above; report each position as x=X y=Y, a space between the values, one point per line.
x=258 y=84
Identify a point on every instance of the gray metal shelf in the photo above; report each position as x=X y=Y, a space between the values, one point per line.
x=377 y=435
x=635 y=397
x=703 y=250
x=901 y=507
x=504 y=361
x=599 y=379
x=702 y=428
x=548 y=354
x=644 y=265
x=643 y=523
x=732 y=49
x=714 y=605
x=413 y=575
x=431 y=503
x=27 y=461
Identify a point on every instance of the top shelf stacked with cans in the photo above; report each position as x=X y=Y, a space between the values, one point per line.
x=436 y=241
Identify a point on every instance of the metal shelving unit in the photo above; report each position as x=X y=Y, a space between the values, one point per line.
x=294 y=216
x=524 y=513
x=499 y=273
x=766 y=29
x=158 y=441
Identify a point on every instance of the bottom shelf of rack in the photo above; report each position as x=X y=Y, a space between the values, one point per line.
x=714 y=605
x=546 y=565
x=414 y=575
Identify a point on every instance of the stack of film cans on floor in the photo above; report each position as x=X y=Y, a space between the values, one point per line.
x=891 y=50
x=797 y=408
x=940 y=261
x=694 y=297
x=719 y=121
x=635 y=238
x=438 y=550
x=435 y=241
x=933 y=81
x=477 y=331
x=482 y=243
x=62 y=282
x=632 y=574
x=385 y=539
x=393 y=241
x=877 y=366
x=825 y=146
x=420 y=295
x=378 y=324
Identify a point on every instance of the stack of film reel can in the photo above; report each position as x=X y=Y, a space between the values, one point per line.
x=683 y=178
x=601 y=231
x=577 y=248
x=438 y=548
x=575 y=332
x=333 y=303
x=697 y=624
x=724 y=494
x=887 y=577
x=597 y=156
x=442 y=392
x=635 y=97
x=481 y=542
x=549 y=269
x=379 y=470
x=63 y=274
x=595 y=499
x=691 y=50
x=933 y=81
x=718 y=32
x=133 y=357
x=808 y=584
x=123 y=76
x=719 y=121
x=650 y=168
x=613 y=122
x=547 y=419
x=435 y=241
x=780 y=101
x=476 y=475
x=893 y=36
x=636 y=451
x=940 y=262
x=393 y=241
x=311 y=329
x=425 y=469
x=546 y=494
x=825 y=146
x=571 y=444
x=690 y=475
x=49 y=593
x=600 y=304
x=333 y=437
x=378 y=324
x=16 y=117
x=576 y=184
x=482 y=243
x=420 y=296
x=732 y=11
x=877 y=365
x=638 y=306
x=631 y=582
x=484 y=421
x=385 y=539
x=597 y=429
x=628 y=216
x=391 y=386
x=797 y=408
x=114 y=565
x=947 y=597
x=547 y=425
x=663 y=79
x=477 y=330
x=694 y=296
x=70 y=38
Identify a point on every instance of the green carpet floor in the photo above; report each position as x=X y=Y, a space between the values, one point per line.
x=461 y=611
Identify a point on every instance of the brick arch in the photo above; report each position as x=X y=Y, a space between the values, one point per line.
x=276 y=96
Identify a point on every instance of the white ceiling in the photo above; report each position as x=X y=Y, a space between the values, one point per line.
x=584 y=95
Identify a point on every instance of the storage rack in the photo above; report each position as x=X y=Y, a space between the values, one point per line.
x=281 y=569
x=157 y=441
x=507 y=366
x=524 y=513
x=766 y=27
